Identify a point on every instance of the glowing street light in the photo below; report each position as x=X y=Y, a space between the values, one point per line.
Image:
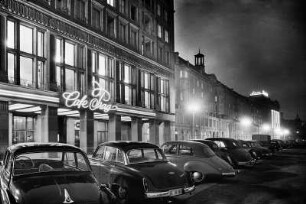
x=193 y=107
x=246 y=122
x=266 y=127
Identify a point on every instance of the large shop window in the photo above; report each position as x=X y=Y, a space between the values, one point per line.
x=23 y=129
x=103 y=71
x=70 y=69
x=25 y=55
x=163 y=94
x=148 y=89
x=127 y=84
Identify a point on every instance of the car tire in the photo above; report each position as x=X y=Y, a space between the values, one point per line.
x=120 y=187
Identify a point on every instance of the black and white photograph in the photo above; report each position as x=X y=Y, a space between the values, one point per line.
x=152 y=101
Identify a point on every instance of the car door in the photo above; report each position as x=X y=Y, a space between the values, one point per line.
x=102 y=163
x=170 y=150
x=185 y=154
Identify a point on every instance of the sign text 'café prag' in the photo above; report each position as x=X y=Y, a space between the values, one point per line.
x=100 y=99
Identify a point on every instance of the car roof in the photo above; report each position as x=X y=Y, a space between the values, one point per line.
x=221 y=138
x=208 y=142
x=190 y=142
x=127 y=145
x=35 y=146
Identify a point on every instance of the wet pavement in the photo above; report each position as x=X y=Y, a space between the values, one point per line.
x=280 y=179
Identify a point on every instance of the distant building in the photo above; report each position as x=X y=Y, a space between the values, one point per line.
x=205 y=107
x=54 y=53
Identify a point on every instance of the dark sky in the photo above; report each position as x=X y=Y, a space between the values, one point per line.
x=249 y=44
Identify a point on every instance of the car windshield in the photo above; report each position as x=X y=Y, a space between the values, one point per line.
x=46 y=161
x=141 y=155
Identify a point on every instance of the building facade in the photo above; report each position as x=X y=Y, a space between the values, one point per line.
x=205 y=107
x=86 y=71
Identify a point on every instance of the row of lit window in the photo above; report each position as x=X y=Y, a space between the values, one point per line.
x=26 y=64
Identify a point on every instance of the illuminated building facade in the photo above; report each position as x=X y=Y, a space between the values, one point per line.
x=122 y=48
x=220 y=111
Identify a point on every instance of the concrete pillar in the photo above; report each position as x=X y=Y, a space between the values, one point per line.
x=87 y=131
x=136 y=126
x=154 y=132
x=167 y=132
x=4 y=127
x=49 y=124
x=114 y=127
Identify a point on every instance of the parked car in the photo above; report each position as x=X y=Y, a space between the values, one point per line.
x=196 y=156
x=260 y=150
x=214 y=147
x=238 y=155
x=140 y=171
x=49 y=173
x=247 y=146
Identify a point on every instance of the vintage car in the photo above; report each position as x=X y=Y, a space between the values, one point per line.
x=238 y=155
x=261 y=151
x=196 y=156
x=49 y=173
x=140 y=172
x=214 y=147
x=247 y=146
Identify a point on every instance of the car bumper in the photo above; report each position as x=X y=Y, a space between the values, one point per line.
x=170 y=193
x=247 y=163
x=229 y=174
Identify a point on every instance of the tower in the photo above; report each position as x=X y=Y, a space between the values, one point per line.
x=199 y=62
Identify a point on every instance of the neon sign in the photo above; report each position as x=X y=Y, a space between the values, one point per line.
x=99 y=101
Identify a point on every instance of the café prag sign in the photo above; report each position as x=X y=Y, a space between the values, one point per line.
x=100 y=99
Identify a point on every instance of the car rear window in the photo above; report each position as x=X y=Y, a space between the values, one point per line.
x=207 y=152
x=46 y=161
x=144 y=155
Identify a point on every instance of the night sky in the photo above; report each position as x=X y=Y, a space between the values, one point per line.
x=249 y=45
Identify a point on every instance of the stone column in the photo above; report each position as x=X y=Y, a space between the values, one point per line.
x=49 y=124
x=154 y=132
x=167 y=131
x=87 y=131
x=4 y=127
x=136 y=126
x=114 y=127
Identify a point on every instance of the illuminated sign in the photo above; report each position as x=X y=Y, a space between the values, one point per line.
x=99 y=101
x=259 y=93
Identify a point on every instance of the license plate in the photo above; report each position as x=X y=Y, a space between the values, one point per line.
x=176 y=192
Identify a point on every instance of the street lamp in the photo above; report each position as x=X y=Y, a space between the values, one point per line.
x=245 y=122
x=193 y=107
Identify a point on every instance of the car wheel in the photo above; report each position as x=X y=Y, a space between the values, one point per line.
x=120 y=189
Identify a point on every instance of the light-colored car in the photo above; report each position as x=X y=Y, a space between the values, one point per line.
x=196 y=156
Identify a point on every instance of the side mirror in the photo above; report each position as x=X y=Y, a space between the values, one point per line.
x=1 y=163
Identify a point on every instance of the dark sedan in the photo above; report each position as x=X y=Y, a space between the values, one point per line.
x=49 y=173
x=140 y=171
x=196 y=156
x=238 y=155
x=260 y=150
x=214 y=147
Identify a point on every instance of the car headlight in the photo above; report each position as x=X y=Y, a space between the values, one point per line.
x=145 y=185
x=197 y=177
